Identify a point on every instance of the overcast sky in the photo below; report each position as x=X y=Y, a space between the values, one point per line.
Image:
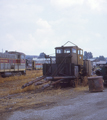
x=35 y=26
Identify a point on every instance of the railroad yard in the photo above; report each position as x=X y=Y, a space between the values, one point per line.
x=49 y=104
x=53 y=60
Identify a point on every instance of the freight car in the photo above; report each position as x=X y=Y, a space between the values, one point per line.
x=12 y=63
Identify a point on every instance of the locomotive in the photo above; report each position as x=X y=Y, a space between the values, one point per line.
x=69 y=68
x=12 y=63
x=69 y=65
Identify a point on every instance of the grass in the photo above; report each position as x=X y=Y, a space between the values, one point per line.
x=12 y=85
x=12 y=97
x=29 y=75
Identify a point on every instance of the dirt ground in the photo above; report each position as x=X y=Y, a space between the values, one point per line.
x=51 y=104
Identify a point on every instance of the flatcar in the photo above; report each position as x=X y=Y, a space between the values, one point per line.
x=12 y=63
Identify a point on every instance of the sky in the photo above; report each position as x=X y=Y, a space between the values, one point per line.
x=35 y=26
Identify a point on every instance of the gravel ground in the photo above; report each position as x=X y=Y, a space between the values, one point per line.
x=85 y=106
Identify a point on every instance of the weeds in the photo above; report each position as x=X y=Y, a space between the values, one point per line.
x=12 y=85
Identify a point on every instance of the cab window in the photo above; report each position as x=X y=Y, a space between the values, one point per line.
x=59 y=51
x=73 y=50
x=67 y=51
x=22 y=57
x=80 y=52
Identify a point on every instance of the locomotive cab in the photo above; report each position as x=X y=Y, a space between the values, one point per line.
x=69 y=60
x=69 y=54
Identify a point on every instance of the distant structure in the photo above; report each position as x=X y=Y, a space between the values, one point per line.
x=96 y=62
x=29 y=61
x=43 y=58
x=30 y=57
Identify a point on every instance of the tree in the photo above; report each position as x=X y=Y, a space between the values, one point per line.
x=102 y=58
x=87 y=55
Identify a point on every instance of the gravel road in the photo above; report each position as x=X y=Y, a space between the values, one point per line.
x=86 y=106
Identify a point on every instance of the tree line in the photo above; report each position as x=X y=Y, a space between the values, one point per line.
x=89 y=55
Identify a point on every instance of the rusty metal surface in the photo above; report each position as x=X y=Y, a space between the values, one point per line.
x=95 y=84
x=58 y=81
x=40 y=83
x=60 y=77
x=31 y=82
x=49 y=84
x=96 y=77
